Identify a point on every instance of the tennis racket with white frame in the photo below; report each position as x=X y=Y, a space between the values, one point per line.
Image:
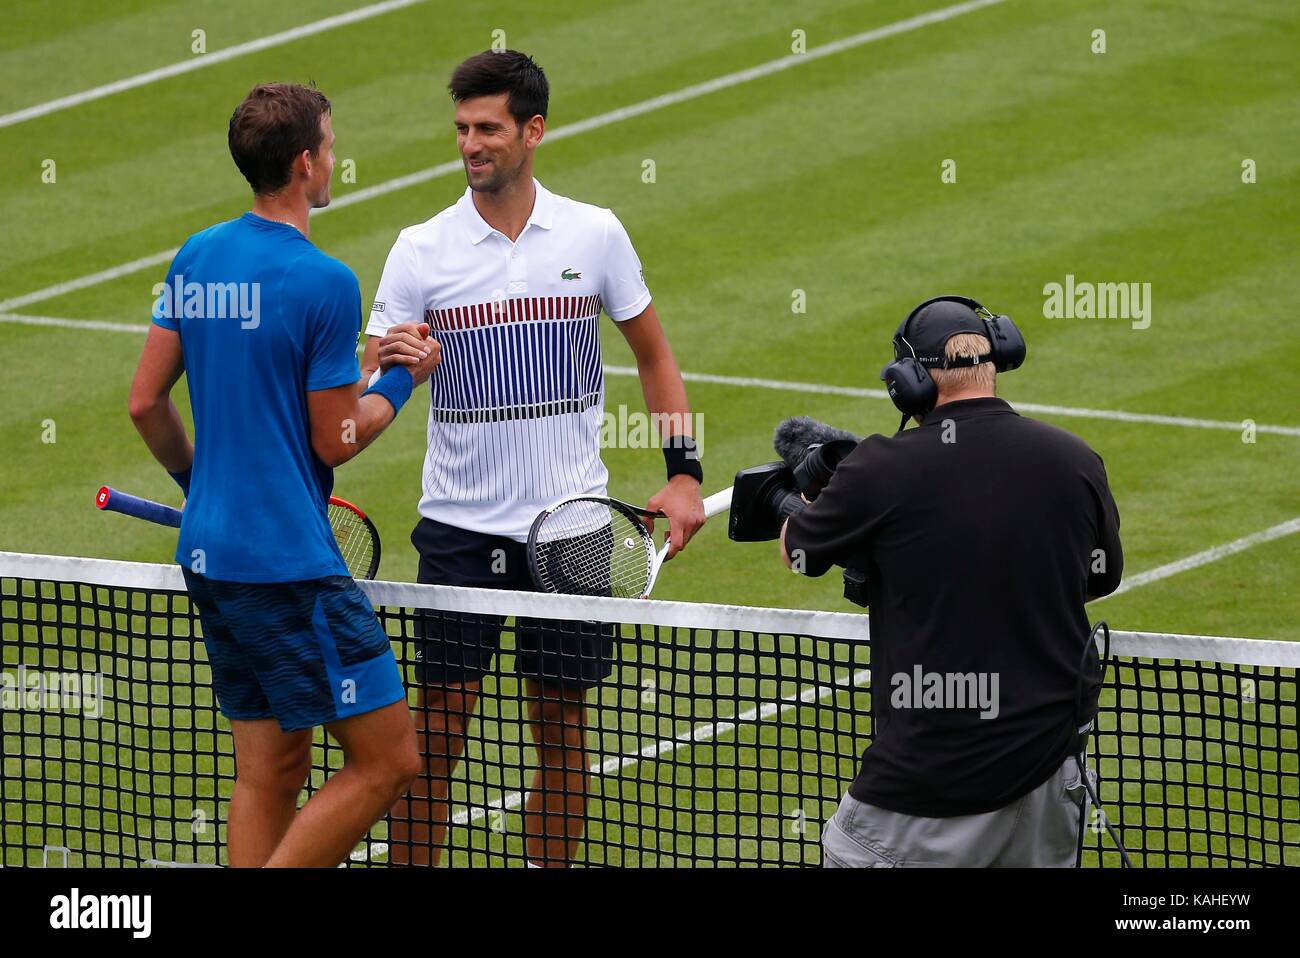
x=594 y=545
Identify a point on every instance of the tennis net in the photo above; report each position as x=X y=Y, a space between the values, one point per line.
x=725 y=736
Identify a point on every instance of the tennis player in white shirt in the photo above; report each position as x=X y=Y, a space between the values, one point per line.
x=511 y=281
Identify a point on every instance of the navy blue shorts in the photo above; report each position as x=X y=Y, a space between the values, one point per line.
x=304 y=653
x=457 y=647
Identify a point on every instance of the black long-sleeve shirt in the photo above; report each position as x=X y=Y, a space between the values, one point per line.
x=982 y=533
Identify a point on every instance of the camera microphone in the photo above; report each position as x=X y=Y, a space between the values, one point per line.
x=765 y=496
x=812 y=450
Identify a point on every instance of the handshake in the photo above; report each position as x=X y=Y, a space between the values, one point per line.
x=410 y=345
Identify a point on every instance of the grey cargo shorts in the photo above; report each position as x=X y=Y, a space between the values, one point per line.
x=1042 y=829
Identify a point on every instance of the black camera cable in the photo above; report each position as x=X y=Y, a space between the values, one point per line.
x=1080 y=757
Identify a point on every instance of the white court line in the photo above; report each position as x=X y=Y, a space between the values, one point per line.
x=99 y=324
x=559 y=133
x=93 y=279
x=1075 y=411
x=1115 y=415
x=704 y=732
x=201 y=60
x=1212 y=554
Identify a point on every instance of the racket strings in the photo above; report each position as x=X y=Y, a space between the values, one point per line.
x=590 y=548
x=354 y=540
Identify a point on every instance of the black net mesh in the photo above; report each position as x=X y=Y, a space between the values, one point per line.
x=704 y=747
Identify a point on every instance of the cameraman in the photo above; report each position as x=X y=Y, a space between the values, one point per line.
x=981 y=535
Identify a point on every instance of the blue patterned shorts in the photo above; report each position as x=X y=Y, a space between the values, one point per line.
x=304 y=653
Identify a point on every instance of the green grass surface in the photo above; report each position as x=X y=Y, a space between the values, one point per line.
x=1124 y=166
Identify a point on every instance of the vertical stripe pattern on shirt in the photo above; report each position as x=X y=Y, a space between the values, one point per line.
x=517 y=400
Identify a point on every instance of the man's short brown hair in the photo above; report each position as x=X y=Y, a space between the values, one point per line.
x=274 y=124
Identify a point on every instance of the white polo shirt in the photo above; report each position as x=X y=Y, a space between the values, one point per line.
x=519 y=396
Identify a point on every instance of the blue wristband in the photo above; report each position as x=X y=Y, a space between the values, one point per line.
x=183 y=479
x=395 y=386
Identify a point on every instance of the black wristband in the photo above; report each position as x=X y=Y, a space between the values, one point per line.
x=183 y=478
x=682 y=458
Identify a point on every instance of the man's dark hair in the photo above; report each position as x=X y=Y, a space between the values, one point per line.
x=274 y=124
x=503 y=71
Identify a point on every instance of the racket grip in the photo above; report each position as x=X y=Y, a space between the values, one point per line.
x=718 y=502
x=111 y=500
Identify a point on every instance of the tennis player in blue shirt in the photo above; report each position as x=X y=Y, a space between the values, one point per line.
x=264 y=326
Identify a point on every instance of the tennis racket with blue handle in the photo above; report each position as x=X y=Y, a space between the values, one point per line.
x=356 y=535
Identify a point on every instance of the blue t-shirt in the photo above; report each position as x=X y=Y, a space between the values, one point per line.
x=264 y=318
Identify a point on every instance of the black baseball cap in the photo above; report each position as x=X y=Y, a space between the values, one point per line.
x=925 y=333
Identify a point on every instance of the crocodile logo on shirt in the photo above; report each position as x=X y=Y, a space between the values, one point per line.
x=568 y=273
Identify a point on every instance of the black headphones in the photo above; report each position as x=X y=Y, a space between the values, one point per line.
x=908 y=378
